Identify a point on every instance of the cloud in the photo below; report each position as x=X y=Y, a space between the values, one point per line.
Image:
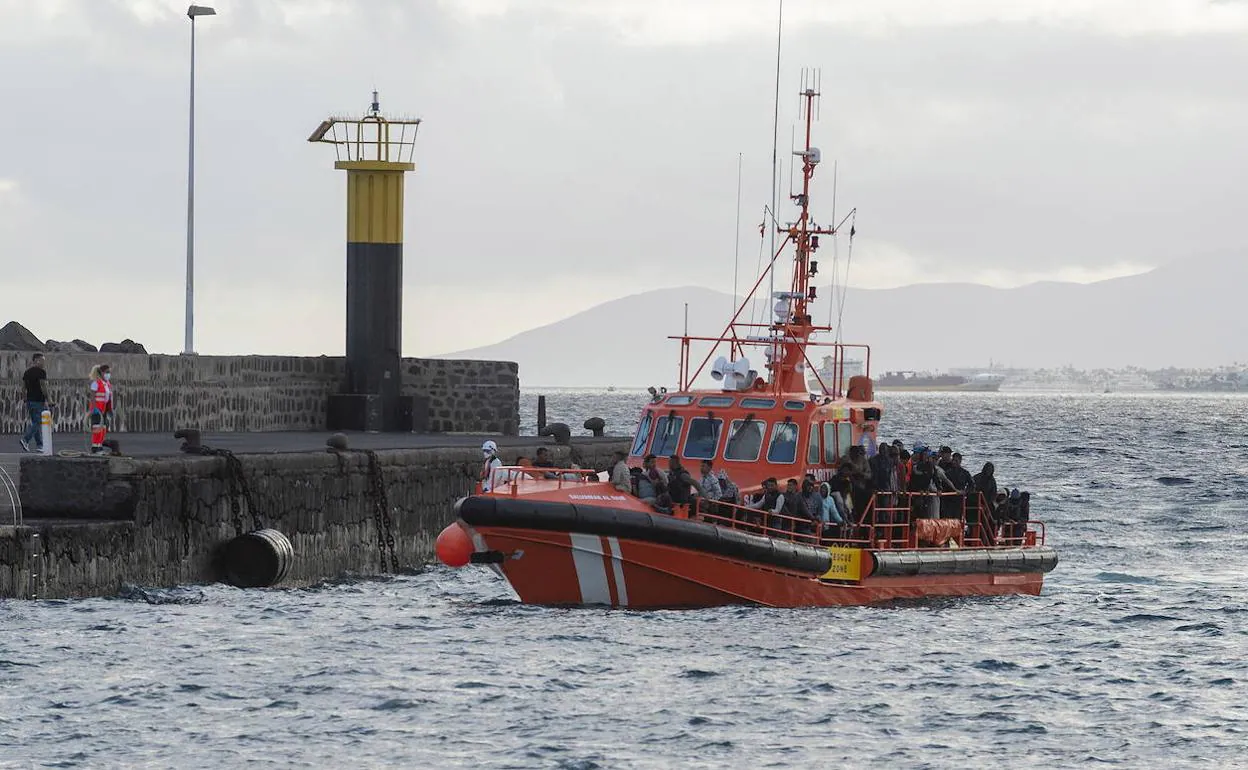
x=576 y=150
x=697 y=22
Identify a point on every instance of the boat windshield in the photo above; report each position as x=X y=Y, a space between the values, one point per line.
x=837 y=437
x=783 y=447
x=643 y=434
x=666 y=436
x=703 y=438
x=844 y=438
x=745 y=440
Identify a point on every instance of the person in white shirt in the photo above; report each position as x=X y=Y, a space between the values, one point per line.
x=770 y=499
x=711 y=489
x=621 y=479
x=490 y=450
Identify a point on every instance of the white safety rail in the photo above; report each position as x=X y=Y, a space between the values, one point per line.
x=10 y=499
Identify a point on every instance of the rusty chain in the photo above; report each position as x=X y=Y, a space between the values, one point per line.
x=381 y=513
x=236 y=481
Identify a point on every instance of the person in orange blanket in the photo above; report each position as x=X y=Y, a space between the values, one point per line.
x=100 y=407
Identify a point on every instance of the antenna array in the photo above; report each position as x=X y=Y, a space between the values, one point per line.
x=812 y=79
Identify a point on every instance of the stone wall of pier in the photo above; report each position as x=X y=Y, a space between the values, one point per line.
x=93 y=525
x=256 y=393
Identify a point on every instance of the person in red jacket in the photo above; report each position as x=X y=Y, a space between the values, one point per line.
x=100 y=406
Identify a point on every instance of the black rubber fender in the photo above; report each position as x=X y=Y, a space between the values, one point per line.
x=994 y=561
x=489 y=511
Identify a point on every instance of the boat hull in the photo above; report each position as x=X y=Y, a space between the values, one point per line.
x=582 y=569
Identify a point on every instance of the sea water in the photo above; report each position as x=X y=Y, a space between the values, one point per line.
x=1135 y=655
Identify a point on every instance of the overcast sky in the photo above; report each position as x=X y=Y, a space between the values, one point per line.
x=577 y=151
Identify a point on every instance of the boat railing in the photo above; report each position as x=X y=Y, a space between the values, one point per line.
x=893 y=520
x=890 y=521
x=741 y=336
x=757 y=521
x=512 y=478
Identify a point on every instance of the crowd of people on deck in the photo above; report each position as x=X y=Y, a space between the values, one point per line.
x=905 y=485
x=842 y=503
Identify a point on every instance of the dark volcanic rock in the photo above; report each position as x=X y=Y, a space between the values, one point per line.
x=77 y=346
x=14 y=336
x=125 y=346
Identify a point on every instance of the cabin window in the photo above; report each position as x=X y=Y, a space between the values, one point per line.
x=798 y=405
x=844 y=437
x=783 y=447
x=666 y=436
x=716 y=401
x=758 y=403
x=703 y=438
x=744 y=441
x=643 y=434
x=679 y=400
x=812 y=450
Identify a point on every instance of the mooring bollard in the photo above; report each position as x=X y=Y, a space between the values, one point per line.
x=45 y=428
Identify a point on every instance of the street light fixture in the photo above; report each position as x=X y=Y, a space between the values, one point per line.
x=189 y=349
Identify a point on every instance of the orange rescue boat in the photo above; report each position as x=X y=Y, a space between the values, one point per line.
x=569 y=537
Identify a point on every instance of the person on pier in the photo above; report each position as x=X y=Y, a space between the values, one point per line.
x=100 y=415
x=35 y=381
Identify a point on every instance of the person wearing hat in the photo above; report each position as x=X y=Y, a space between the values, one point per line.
x=490 y=451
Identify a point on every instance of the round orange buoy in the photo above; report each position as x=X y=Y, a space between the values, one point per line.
x=454 y=547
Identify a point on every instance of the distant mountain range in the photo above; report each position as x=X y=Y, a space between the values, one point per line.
x=1187 y=314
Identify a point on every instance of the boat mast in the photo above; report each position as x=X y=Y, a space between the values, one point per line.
x=736 y=253
x=794 y=328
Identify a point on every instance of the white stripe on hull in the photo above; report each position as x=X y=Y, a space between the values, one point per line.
x=591 y=572
x=617 y=567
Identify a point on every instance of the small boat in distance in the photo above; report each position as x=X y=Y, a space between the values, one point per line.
x=572 y=537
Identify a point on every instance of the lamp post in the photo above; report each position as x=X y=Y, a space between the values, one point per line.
x=189 y=349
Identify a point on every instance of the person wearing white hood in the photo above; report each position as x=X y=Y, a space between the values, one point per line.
x=490 y=450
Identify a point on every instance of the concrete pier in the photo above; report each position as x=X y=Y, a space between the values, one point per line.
x=259 y=393
x=159 y=518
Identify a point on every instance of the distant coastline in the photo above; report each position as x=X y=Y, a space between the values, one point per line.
x=1226 y=379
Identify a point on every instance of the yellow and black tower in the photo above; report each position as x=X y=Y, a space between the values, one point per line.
x=376 y=152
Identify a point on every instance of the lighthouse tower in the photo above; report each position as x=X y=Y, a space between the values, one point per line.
x=376 y=152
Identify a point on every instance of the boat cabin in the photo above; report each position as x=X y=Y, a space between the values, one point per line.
x=753 y=436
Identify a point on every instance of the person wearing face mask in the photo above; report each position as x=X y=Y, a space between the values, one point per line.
x=489 y=451
x=100 y=405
